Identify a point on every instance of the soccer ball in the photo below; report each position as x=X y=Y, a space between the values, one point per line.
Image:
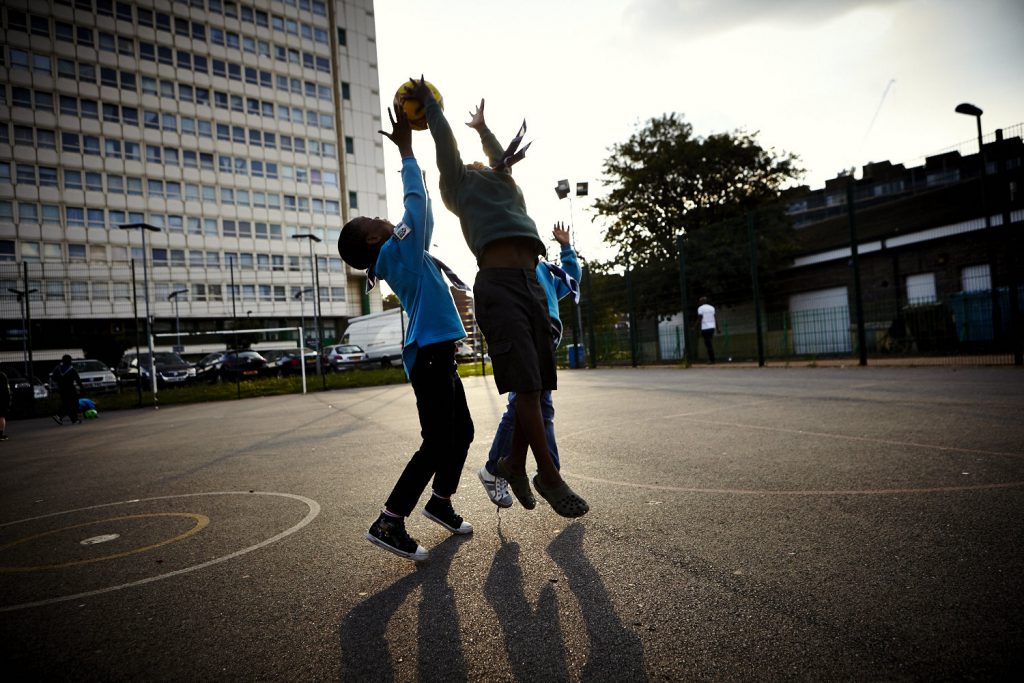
x=91 y=414
x=415 y=111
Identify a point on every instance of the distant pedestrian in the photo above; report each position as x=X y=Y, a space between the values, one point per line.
x=708 y=326
x=5 y=404
x=69 y=384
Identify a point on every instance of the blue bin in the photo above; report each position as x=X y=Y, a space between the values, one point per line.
x=577 y=356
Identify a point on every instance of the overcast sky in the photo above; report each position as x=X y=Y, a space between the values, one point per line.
x=808 y=76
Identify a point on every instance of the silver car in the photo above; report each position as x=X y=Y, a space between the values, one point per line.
x=95 y=376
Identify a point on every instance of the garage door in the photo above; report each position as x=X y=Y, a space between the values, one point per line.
x=821 y=321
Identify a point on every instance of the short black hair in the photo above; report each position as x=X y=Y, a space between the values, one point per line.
x=352 y=246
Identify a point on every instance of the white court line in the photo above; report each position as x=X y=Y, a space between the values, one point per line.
x=314 y=510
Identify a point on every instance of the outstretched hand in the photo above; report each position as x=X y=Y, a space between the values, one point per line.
x=419 y=92
x=401 y=131
x=476 y=120
x=560 y=233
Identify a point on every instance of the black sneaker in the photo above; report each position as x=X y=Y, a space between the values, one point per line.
x=58 y=419
x=440 y=510
x=389 y=533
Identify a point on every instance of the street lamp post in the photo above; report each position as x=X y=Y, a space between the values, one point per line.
x=300 y=295
x=969 y=109
x=316 y=292
x=173 y=296
x=144 y=228
x=23 y=304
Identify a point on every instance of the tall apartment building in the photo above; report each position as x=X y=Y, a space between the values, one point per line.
x=230 y=126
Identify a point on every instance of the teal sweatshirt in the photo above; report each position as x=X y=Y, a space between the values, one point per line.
x=405 y=264
x=489 y=204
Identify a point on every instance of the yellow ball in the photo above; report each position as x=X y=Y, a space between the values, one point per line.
x=414 y=111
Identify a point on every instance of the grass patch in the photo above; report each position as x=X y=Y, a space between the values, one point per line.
x=203 y=392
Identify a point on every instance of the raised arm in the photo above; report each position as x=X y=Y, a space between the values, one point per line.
x=492 y=148
x=567 y=257
x=450 y=167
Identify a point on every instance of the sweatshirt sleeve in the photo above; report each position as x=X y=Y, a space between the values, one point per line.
x=449 y=163
x=492 y=148
x=570 y=263
x=416 y=216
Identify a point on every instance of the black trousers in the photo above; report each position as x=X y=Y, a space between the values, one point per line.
x=709 y=335
x=69 y=404
x=445 y=425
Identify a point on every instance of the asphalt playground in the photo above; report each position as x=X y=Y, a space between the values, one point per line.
x=747 y=524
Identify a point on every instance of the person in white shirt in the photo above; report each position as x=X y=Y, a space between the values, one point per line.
x=708 y=326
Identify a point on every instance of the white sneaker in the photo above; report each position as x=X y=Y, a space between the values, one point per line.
x=496 y=487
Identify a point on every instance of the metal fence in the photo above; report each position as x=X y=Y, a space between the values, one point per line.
x=920 y=277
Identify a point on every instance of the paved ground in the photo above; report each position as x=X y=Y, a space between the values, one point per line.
x=828 y=523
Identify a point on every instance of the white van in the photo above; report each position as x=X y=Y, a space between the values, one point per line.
x=381 y=335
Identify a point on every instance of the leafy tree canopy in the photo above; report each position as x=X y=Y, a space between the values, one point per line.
x=666 y=182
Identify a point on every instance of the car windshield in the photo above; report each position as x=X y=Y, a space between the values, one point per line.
x=244 y=355
x=349 y=349
x=89 y=366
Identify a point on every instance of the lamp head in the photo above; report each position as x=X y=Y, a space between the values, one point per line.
x=562 y=189
x=969 y=109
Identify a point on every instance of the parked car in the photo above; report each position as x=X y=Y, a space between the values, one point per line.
x=237 y=365
x=171 y=369
x=282 y=362
x=25 y=393
x=231 y=366
x=342 y=357
x=95 y=376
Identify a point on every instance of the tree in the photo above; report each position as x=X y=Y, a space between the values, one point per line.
x=666 y=182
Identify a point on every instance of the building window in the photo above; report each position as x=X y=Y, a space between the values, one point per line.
x=921 y=289
x=976 y=278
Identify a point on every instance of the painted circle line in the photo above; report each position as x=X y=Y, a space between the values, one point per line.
x=311 y=514
x=201 y=522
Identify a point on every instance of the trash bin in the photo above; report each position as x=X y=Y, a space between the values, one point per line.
x=577 y=356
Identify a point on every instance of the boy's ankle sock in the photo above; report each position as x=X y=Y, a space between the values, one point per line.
x=435 y=494
x=389 y=515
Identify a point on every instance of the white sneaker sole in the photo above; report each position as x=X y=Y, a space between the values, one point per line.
x=466 y=527
x=418 y=556
x=482 y=475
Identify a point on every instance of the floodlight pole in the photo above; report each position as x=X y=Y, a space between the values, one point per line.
x=316 y=293
x=143 y=228
x=971 y=110
x=562 y=190
x=22 y=295
x=300 y=295
x=173 y=296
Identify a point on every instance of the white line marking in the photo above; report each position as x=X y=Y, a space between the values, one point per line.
x=314 y=510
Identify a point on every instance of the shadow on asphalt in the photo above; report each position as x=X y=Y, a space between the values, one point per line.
x=364 y=646
x=534 y=643
x=616 y=653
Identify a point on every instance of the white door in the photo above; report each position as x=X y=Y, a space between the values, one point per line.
x=821 y=321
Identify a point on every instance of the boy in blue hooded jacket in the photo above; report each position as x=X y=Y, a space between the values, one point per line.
x=400 y=255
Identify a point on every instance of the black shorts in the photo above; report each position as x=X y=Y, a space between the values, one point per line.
x=512 y=311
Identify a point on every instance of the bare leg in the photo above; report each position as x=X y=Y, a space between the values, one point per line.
x=530 y=431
